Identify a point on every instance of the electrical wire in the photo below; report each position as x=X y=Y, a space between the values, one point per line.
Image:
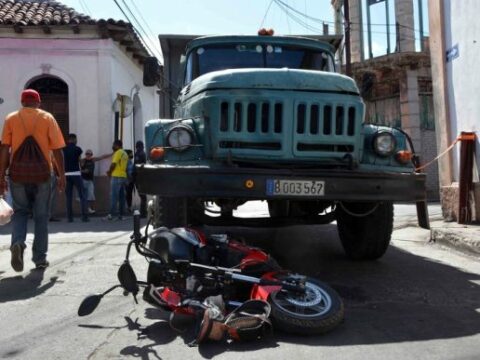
x=288 y=24
x=266 y=13
x=138 y=23
x=134 y=29
x=321 y=21
x=84 y=7
x=152 y=33
x=298 y=20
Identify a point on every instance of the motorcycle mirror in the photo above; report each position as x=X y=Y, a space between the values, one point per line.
x=127 y=278
x=89 y=304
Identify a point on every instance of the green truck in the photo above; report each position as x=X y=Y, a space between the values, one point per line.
x=268 y=118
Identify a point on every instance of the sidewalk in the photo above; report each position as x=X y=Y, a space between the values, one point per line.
x=461 y=237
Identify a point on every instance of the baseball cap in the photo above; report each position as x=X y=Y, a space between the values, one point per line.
x=30 y=95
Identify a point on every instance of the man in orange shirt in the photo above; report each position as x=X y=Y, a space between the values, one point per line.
x=31 y=197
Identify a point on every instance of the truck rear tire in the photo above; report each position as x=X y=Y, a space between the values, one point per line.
x=365 y=237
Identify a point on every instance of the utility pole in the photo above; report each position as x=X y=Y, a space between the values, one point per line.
x=348 y=60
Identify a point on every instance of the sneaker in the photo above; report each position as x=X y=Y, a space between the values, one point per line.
x=17 y=257
x=109 y=217
x=42 y=264
x=91 y=211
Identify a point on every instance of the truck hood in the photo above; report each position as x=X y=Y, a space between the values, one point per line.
x=273 y=79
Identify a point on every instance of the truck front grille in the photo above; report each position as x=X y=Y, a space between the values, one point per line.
x=325 y=127
x=277 y=128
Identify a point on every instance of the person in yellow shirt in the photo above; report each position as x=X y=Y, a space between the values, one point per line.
x=118 y=181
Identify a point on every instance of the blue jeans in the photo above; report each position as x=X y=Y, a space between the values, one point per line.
x=31 y=198
x=117 y=195
x=53 y=196
x=75 y=180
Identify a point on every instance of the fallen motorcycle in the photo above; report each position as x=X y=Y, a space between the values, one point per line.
x=230 y=287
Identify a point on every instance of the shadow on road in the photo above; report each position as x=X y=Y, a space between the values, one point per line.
x=96 y=224
x=22 y=288
x=160 y=333
x=401 y=297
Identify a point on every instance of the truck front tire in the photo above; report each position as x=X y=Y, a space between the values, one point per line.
x=174 y=212
x=365 y=229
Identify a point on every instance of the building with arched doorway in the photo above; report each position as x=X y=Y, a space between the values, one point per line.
x=79 y=65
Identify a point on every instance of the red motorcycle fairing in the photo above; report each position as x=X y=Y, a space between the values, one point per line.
x=262 y=292
x=252 y=255
x=171 y=300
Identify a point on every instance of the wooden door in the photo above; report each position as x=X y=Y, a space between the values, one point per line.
x=57 y=105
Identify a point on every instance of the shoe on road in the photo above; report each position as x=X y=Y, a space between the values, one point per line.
x=17 y=257
x=42 y=265
x=109 y=217
x=91 y=211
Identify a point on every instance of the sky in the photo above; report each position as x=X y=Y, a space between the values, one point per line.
x=214 y=17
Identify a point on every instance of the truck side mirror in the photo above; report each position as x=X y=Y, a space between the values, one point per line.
x=151 y=71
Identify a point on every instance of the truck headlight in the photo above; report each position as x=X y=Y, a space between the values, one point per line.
x=180 y=137
x=384 y=143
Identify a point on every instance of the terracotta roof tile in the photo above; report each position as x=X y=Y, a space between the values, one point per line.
x=46 y=13
x=42 y=12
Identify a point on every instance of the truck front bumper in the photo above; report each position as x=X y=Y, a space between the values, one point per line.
x=207 y=182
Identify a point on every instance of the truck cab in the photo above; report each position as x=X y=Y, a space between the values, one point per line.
x=268 y=118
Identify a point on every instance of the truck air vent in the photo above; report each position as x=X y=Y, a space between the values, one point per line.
x=312 y=119
x=251 y=117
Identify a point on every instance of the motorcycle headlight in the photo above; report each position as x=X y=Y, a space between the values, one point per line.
x=180 y=137
x=384 y=143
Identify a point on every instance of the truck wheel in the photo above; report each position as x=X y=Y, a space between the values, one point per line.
x=365 y=229
x=168 y=212
x=174 y=212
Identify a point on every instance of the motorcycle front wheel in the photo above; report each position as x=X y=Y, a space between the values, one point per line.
x=318 y=311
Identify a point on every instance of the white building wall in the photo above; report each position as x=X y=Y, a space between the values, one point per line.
x=95 y=70
x=462 y=28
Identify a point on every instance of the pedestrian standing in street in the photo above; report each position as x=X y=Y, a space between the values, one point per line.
x=87 y=168
x=73 y=175
x=53 y=193
x=29 y=138
x=118 y=180
x=140 y=158
x=130 y=185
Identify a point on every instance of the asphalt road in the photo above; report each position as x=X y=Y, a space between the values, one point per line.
x=420 y=300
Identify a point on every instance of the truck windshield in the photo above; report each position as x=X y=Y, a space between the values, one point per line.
x=210 y=58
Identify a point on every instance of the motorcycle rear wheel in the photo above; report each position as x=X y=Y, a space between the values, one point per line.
x=318 y=311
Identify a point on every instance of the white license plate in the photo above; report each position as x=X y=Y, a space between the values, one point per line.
x=278 y=187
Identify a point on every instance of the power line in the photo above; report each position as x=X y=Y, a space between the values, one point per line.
x=84 y=7
x=266 y=13
x=138 y=34
x=152 y=33
x=282 y=3
x=288 y=24
x=139 y=25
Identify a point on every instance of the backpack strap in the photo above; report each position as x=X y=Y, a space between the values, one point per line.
x=25 y=127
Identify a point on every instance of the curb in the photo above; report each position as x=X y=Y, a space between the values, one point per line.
x=465 y=238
